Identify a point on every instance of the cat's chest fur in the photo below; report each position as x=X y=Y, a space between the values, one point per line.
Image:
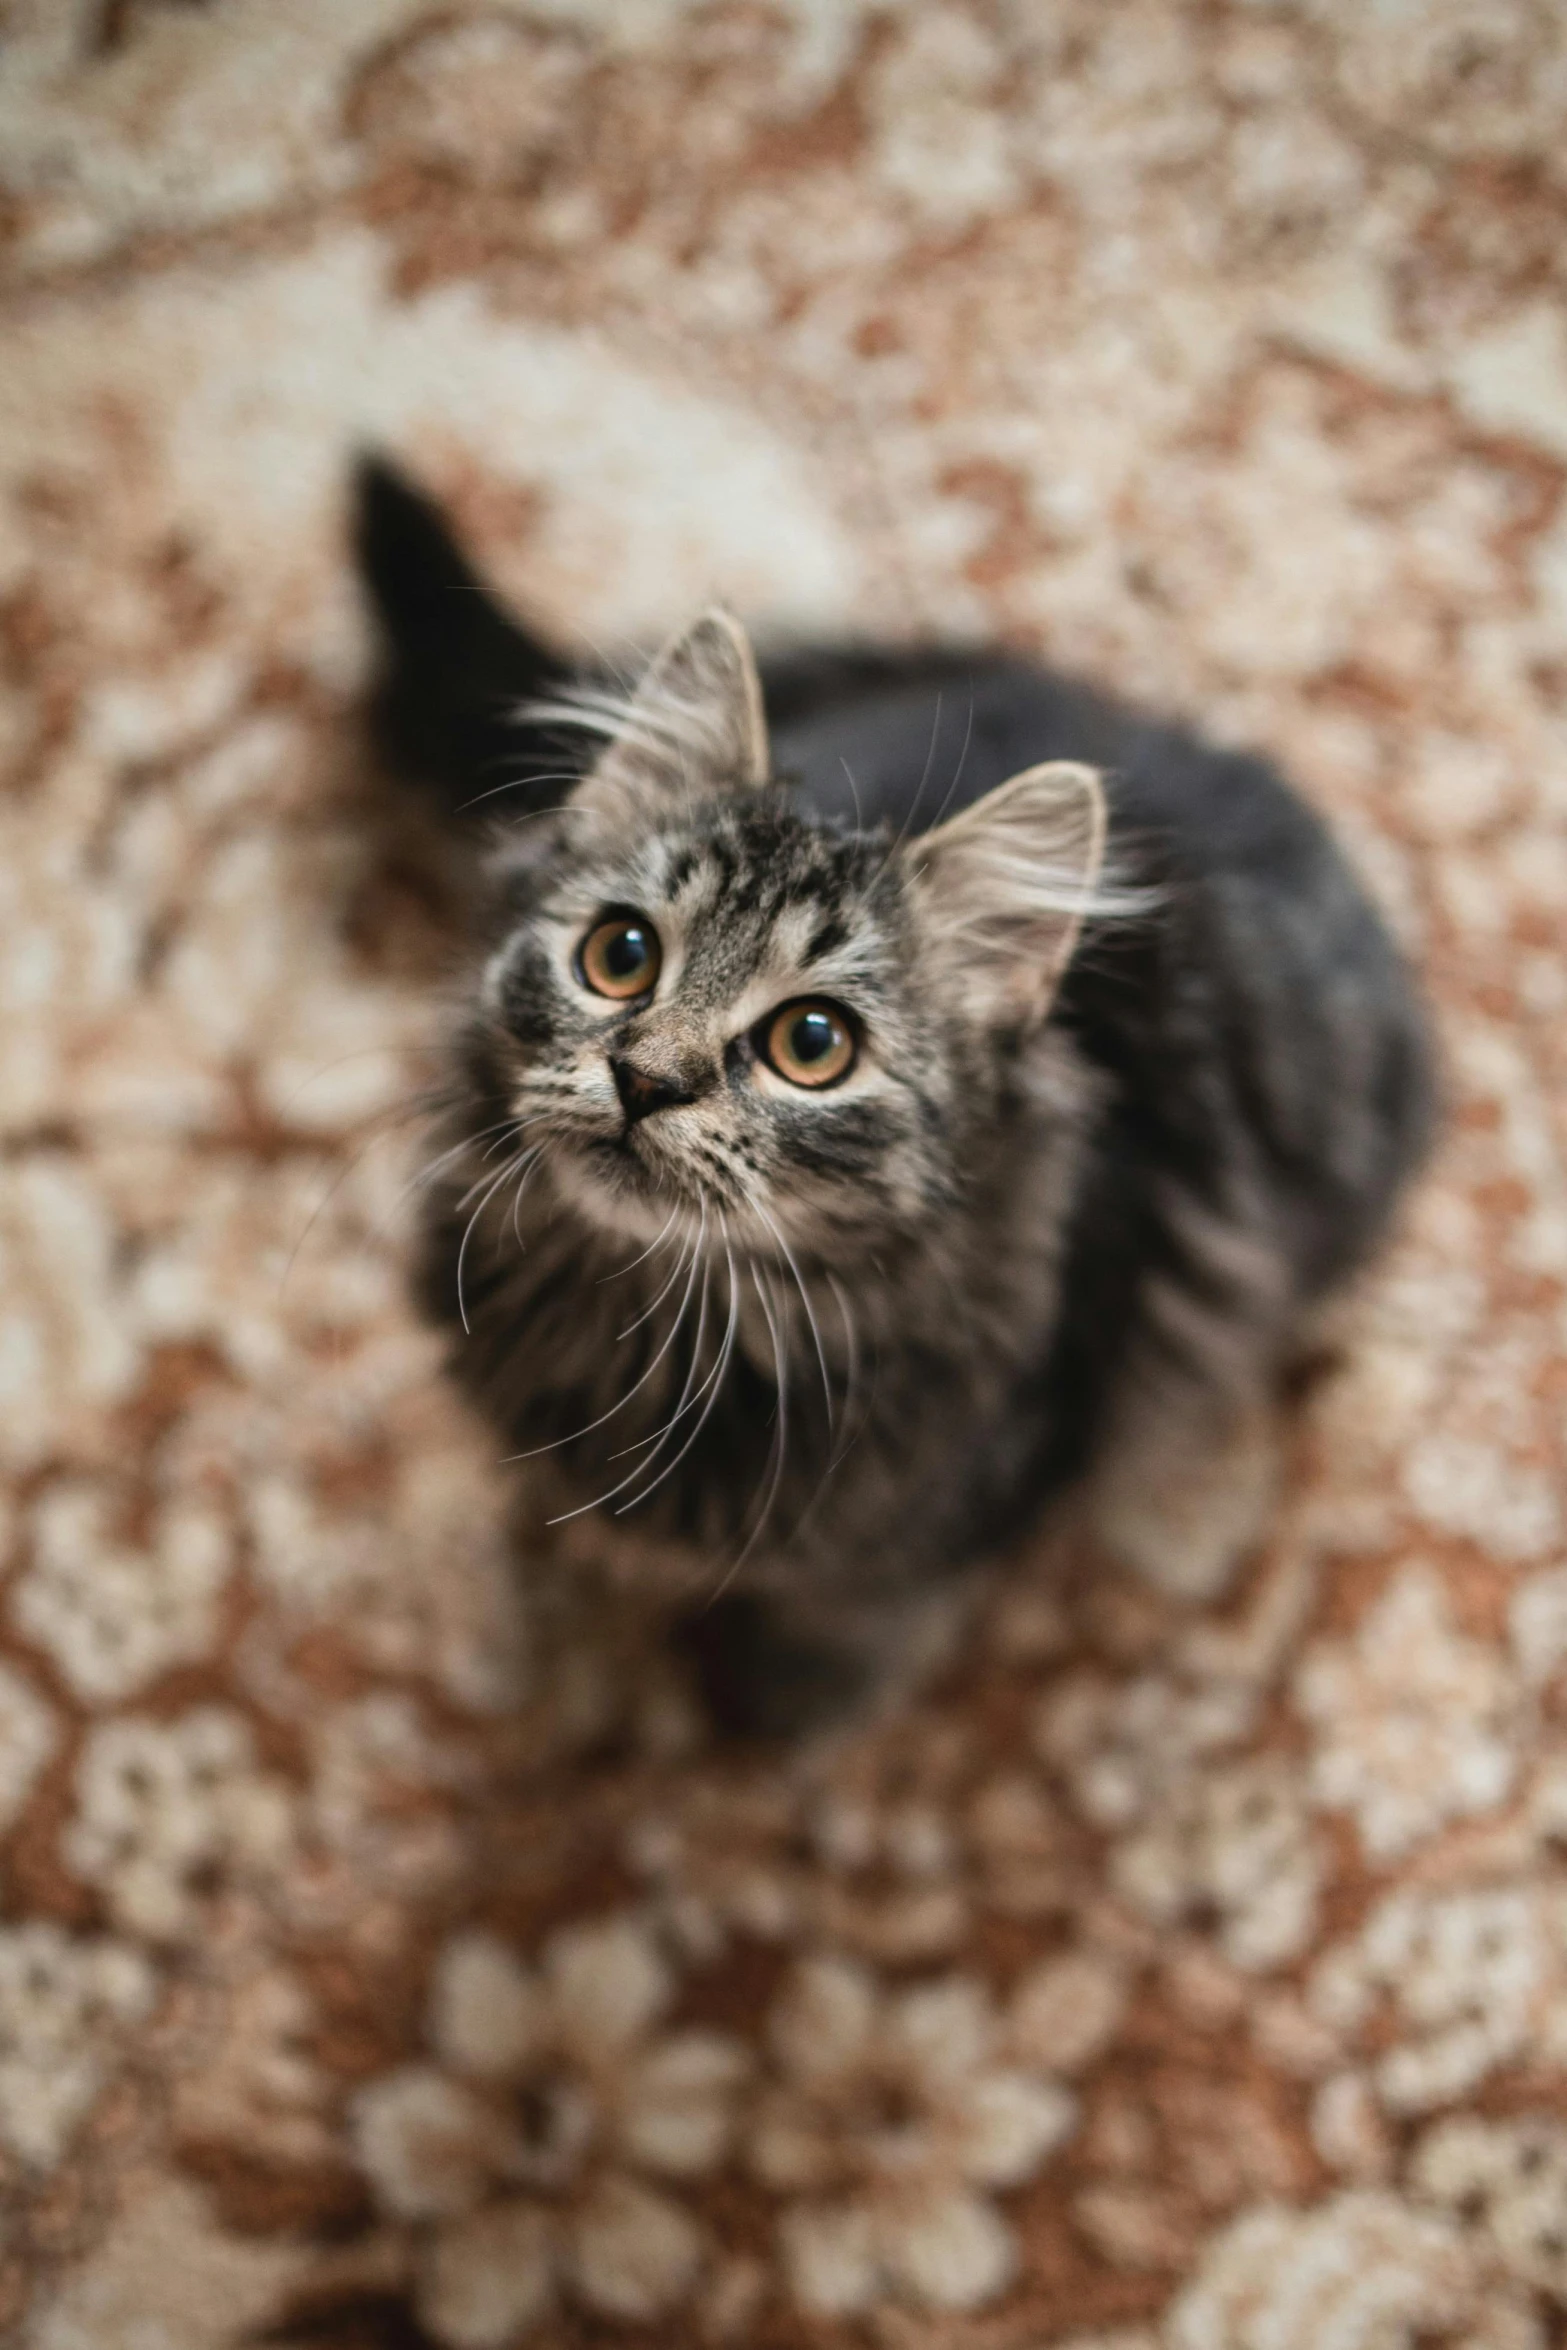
x=720 y=1394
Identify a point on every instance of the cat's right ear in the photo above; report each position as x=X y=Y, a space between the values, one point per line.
x=1003 y=888
x=694 y=726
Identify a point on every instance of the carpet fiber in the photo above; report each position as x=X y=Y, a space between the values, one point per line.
x=384 y=1959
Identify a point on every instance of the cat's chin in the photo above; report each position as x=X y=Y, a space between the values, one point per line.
x=614 y=1189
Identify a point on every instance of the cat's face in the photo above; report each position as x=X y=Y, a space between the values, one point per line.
x=729 y=1012
x=712 y=1009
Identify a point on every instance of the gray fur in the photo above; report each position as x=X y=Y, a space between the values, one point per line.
x=1106 y=1145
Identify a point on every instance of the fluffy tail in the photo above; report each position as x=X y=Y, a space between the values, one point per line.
x=454 y=664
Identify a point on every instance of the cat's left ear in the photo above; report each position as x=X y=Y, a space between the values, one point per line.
x=1003 y=888
x=695 y=725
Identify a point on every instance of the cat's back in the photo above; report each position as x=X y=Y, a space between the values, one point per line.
x=908 y=738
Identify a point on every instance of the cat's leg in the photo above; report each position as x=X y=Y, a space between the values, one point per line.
x=762 y=1674
x=1187 y=1470
x=777 y=1663
x=1184 y=1488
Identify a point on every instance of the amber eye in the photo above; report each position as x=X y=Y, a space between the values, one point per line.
x=810 y=1043
x=620 y=957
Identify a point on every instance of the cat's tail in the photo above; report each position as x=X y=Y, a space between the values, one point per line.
x=453 y=665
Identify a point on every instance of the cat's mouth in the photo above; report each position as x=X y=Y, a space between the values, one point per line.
x=633 y=1171
x=624 y=1153
x=625 y=1172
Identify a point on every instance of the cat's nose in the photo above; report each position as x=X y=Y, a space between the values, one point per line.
x=641 y=1093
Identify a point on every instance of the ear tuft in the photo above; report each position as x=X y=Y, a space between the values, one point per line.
x=1004 y=887
x=694 y=725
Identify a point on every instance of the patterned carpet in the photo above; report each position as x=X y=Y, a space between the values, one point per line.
x=383 y=1957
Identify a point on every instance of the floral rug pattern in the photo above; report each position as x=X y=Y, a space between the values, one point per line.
x=384 y=1956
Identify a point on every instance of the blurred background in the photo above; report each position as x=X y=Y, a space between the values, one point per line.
x=1166 y=1981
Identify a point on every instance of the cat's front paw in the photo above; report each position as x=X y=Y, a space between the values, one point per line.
x=760 y=1676
x=1185 y=1521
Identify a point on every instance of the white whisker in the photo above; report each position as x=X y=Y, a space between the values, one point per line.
x=696 y=1257
x=508 y=1129
x=810 y=1312
x=912 y=809
x=657 y=1302
x=669 y=1340
x=957 y=772
x=523 y=1180
x=780 y=1444
x=657 y=1439
x=713 y=1383
x=522 y=783
x=851 y=1342
x=505 y=1174
x=355 y=1158
x=652 y=1247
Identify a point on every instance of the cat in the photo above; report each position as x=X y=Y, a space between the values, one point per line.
x=894 y=1086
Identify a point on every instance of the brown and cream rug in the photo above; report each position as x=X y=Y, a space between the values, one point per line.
x=383 y=1958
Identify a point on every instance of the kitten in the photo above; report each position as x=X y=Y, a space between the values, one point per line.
x=893 y=1085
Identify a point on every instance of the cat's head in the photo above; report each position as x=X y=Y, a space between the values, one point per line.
x=704 y=1002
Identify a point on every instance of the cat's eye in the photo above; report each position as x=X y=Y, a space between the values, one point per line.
x=809 y=1042
x=620 y=957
